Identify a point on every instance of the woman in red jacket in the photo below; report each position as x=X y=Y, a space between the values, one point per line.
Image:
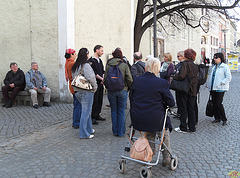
x=70 y=56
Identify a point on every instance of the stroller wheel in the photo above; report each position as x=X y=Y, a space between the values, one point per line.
x=145 y=172
x=174 y=163
x=122 y=166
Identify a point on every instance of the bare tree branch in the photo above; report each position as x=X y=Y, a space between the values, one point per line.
x=176 y=10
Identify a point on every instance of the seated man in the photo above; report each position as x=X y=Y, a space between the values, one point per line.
x=15 y=82
x=37 y=83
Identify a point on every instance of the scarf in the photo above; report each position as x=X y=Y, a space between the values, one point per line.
x=165 y=66
x=66 y=72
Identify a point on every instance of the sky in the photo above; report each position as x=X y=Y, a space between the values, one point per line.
x=234 y=12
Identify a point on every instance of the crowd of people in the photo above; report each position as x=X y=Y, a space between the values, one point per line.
x=147 y=84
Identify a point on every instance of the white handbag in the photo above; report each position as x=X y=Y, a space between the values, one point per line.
x=81 y=82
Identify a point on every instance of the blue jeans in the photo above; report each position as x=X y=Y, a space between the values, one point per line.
x=77 y=108
x=118 y=101
x=86 y=100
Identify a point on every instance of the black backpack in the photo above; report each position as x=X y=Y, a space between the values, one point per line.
x=114 y=79
x=202 y=74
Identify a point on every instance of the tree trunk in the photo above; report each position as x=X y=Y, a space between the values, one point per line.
x=137 y=39
x=138 y=25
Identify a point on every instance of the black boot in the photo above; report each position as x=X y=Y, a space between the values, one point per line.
x=9 y=104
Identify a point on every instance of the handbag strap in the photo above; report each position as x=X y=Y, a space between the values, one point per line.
x=142 y=134
x=139 y=132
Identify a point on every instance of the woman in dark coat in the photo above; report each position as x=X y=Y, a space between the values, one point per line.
x=186 y=101
x=147 y=110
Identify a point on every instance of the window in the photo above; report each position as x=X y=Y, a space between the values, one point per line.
x=160 y=48
x=203 y=40
x=203 y=53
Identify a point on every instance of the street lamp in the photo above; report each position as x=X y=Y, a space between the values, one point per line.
x=155 y=28
x=224 y=32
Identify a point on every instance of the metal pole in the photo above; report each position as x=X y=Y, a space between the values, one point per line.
x=225 y=42
x=155 y=28
x=225 y=46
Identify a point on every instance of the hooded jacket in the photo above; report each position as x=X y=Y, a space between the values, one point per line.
x=124 y=69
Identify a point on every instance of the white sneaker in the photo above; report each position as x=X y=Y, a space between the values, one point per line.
x=179 y=130
x=93 y=131
x=91 y=136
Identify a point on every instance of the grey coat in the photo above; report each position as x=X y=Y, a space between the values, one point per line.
x=89 y=74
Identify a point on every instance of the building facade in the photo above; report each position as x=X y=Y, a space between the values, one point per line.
x=41 y=31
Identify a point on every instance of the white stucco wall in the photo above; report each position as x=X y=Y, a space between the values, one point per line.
x=66 y=39
x=14 y=35
x=44 y=15
x=105 y=23
x=29 y=33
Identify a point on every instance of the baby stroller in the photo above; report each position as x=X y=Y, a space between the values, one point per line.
x=145 y=171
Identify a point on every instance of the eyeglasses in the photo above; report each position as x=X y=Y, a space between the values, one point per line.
x=215 y=57
x=179 y=56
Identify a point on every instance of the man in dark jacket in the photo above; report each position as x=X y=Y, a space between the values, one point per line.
x=138 y=68
x=15 y=82
x=97 y=66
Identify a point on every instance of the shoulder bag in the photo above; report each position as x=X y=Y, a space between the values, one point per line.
x=181 y=85
x=209 y=107
x=81 y=82
x=141 y=149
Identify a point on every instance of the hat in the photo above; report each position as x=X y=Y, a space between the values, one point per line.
x=70 y=51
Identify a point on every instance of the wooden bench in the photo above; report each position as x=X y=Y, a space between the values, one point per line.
x=24 y=98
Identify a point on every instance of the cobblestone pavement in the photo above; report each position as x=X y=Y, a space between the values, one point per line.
x=42 y=143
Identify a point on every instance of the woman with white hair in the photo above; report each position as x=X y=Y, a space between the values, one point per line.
x=147 y=110
x=148 y=57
